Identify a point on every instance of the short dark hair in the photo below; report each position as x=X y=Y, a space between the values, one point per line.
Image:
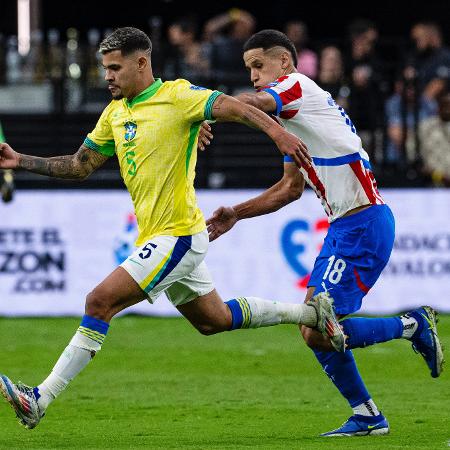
x=267 y=39
x=127 y=40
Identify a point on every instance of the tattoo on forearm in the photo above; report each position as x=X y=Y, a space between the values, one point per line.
x=219 y=100
x=77 y=166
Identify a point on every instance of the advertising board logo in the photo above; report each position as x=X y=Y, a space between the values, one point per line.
x=32 y=260
x=124 y=242
x=301 y=242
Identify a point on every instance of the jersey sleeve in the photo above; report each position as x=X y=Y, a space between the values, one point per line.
x=101 y=139
x=195 y=101
x=2 y=136
x=288 y=96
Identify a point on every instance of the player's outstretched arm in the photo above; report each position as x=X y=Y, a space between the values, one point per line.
x=288 y=189
x=73 y=167
x=228 y=109
x=261 y=100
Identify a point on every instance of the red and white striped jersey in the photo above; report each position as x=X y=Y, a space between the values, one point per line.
x=341 y=174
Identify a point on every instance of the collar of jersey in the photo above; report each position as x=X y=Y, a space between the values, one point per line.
x=146 y=93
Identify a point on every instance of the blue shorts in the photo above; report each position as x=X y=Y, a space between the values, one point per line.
x=355 y=251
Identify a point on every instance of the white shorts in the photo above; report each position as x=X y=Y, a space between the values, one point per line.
x=174 y=265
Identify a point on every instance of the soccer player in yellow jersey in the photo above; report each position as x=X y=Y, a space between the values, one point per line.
x=152 y=127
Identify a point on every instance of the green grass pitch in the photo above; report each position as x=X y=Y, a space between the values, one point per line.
x=158 y=384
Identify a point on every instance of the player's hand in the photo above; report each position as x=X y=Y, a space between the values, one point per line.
x=205 y=136
x=221 y=221
x=291 y=145
x=9 y=159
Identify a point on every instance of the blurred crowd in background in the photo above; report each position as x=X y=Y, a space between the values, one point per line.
x=395 y=90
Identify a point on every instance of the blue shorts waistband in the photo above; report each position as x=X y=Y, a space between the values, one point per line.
x=359 y=217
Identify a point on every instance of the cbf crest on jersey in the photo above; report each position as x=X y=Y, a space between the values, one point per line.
x=130 y=130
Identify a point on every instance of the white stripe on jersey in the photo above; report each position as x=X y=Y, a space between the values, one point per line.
x=341 y=174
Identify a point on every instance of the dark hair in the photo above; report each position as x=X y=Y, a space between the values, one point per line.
x=127 y=40
x=359 y=27
x=186 y=24
x=267 y=39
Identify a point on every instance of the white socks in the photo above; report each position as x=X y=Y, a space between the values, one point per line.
x=257 y=312
x=409 y=326
x=366 y=409
x=74 y=358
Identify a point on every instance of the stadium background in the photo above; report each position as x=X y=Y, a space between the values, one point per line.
x=58 y=239
x=52 y=93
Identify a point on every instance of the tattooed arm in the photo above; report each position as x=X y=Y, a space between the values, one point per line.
x=228 y=109
x=73 y=167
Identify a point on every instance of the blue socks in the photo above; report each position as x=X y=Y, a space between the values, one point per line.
x=341 y=367
x=342 y=371
x=93 y=328
x=240 y=313
x=362 y=331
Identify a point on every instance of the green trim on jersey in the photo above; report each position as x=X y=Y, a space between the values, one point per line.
x=107 y=149
x=193 y=132
x=2 y=135
x=146 y=93
x=209 y=104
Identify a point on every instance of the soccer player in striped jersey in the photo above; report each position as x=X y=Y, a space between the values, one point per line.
x=152 y=127
x=361 y=234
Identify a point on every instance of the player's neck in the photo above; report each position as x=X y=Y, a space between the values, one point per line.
x=141 y=86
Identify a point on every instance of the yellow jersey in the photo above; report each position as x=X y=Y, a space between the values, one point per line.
x=155 y=139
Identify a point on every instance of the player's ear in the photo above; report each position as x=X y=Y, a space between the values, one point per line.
x=285 y=60
x=142 y=63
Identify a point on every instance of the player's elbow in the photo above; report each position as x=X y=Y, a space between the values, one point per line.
x=84 y=175
x=81 y=172
x=293 y=190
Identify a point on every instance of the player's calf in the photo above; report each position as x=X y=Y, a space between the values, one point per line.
x=208 y=329
x=210 y=315
x=418 y=326
x=315 y=340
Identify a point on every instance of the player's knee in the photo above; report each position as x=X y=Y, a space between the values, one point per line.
x=97 y=306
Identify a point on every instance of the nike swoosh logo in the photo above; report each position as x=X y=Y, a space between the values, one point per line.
x=369 y=427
